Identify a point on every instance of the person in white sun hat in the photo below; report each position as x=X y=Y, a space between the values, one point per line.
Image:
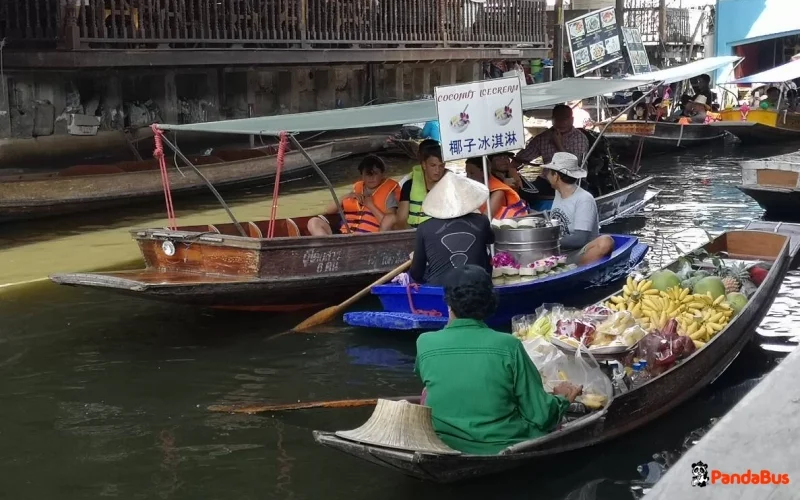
x=576 y=211
x=456 y=234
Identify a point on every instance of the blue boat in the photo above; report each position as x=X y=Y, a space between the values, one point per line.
x=519 y=298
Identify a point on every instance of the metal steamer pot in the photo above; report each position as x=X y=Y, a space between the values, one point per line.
x=528 y=244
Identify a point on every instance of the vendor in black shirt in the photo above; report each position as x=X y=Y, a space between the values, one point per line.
x=455 y=234
x=701 y=86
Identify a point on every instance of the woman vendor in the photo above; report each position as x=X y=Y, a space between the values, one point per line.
x=455 y=234
x=484 y=391
x=504 y=201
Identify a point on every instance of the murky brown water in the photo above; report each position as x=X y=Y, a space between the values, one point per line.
x=105 y=396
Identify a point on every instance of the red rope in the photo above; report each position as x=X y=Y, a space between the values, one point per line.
x=282 y=146
x=158 y=154
x=420 y=312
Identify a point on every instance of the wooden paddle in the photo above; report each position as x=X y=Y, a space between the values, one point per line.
x=329 y=313
x=341 y=403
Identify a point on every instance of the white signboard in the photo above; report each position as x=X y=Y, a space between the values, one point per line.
x=480 y=118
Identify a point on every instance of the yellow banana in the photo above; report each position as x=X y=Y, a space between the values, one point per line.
x=699 y=334
x=646 y=285
x=662 y=321
x=629 y=283
x=636 y=310
x=715 y=327
x=621 y=307
x=611 y=306
x=651 y=292
x=683 y=294
x=718 y=300
x=698 y=344
x=692 y=328
x=695 y=305
x=715 y=318
x=617 y=299
x=626 y=291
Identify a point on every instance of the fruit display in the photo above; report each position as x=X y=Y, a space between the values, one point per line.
x=711 y=285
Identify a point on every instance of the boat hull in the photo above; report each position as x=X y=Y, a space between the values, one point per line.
x=777 y=202
x=625 y=412
x=23 y=197
x=752 y=133
x=521 y=298
x=213 y=266
x=624 y=137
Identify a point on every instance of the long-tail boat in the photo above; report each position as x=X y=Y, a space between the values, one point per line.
x=90 y=187
x=242 y=265
x=629 y=138
x=623 y=413
x=760 y=126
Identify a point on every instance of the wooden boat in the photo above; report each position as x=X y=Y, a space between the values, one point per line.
x=624 y=413
x=774 y=184
x=215 y=266
x=89 y=187
x=760 y=126
x=518 y=298
x=624 y=137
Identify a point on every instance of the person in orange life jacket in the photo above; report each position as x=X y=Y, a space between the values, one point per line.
x=413 y=191
x=371 y=205
x=504 y=201
x=500 y=164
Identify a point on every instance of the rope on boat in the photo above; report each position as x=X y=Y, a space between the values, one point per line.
x=282 y=146
x=158 y=154
x=420 y=312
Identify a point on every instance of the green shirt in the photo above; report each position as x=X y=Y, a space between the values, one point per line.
x=484 y=391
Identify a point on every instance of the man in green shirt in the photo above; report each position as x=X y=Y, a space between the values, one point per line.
x=484 y=391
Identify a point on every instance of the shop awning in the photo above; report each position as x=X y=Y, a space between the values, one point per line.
x=540 y=95
x=783 y=73
x=687 y=71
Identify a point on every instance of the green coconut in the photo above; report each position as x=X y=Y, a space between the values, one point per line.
x=709 y=284
x=737 y=301
x=664 y=280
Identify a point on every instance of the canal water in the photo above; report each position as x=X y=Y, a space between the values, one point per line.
x=105 y=396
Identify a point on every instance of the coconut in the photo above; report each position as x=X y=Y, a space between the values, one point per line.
x=664 y=280
x=709 y=284
x=737 y=301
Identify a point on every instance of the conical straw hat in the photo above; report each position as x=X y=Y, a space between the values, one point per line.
x=400 y=425
x=453 y=196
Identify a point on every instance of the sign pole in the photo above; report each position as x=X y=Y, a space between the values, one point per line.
x=489 y=199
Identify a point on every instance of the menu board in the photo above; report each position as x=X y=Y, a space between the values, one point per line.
x=594 y=40
x=640 y=61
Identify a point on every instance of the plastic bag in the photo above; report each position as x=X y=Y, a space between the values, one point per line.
x=583 y=369
x=549 y=360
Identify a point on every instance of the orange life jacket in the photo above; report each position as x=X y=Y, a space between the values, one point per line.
x=513 y=206
x=359 y=218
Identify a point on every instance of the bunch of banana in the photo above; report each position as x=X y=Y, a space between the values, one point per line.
x=704 y=317
x=633 y=294
x=658 y=310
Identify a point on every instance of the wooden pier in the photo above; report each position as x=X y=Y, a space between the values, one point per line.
x=758 y=438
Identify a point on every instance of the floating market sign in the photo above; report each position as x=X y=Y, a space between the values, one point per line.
x=594 y=40
x=637 y=55
x=480 y=118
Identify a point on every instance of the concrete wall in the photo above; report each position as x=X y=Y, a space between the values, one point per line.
x=38 y=103
x=752 y=20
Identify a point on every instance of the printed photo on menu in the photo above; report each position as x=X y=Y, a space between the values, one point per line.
x=592 y=24
x=608 y=18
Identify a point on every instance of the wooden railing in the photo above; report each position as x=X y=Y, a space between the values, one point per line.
x=265 y=23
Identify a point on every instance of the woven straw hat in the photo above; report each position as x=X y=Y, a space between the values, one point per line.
x=701 y=99
x=567 y=164
x=402 y=426
x=454 y=196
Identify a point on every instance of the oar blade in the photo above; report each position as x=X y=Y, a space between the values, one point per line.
x=319 y=318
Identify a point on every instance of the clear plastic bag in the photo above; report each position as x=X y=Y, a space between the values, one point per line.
x=549 y=360
x=584 y=370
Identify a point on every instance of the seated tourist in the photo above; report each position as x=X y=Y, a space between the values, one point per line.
x=692 y=112
x=504 y=201
x=561 y=137
x=484 y=391
x=455 y=233
x=413 y=190
x=371 y=205
x=576 y=211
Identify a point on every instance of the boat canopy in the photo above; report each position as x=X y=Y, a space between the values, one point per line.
x=783 y=73
x=540 y=95
x=687 y=71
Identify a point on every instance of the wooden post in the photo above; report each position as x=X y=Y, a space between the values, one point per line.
x=558 y=41
x=662 y=24
x=71 y=35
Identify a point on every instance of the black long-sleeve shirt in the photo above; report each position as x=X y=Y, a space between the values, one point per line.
x=442 y=245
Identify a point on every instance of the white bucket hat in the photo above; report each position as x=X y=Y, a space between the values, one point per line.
x=402 y=426
x=454 y=196
x=567 y=164
x=701 y=99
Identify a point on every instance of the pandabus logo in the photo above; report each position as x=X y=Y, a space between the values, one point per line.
x=699 y=474
x=702 y=476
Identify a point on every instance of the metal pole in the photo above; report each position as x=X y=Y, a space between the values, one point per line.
x=558 y=42
x=321 y=174
x=208 y=183
x=489 y=199
x=608 y=124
